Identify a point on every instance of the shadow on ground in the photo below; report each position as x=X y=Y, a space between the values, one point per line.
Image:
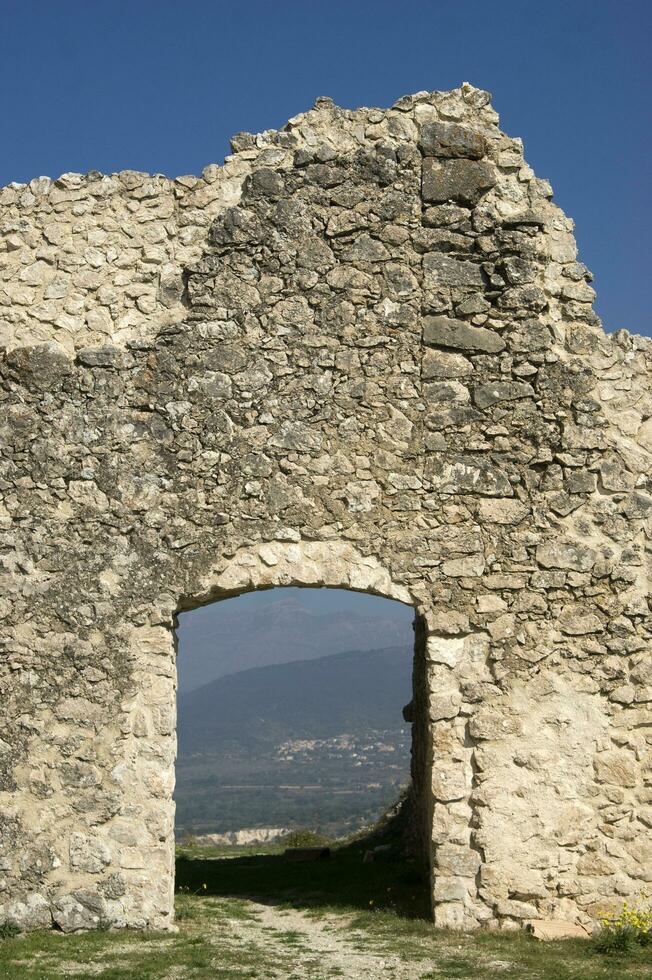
x=391 y=881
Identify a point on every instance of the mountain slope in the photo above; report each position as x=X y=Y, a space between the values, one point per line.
x=224 y=637
x=319 y=743
x=347 y=692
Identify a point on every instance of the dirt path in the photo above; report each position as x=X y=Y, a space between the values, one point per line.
x=321 y=948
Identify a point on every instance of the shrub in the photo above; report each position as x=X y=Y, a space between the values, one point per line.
x=304 y=838
x=8 y=930
x=631 y=927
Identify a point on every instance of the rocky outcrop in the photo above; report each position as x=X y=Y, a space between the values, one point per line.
x=240 y=838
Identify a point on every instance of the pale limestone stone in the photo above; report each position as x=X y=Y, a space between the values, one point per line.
x=490 y=604
x=575 y=622
x=449 y=623
x=576 y=556
x=616 y=767
x=502 y=627
x=88 y=854
x=502 y=511
x=33 y=913
x=444 y=650
x=455 y=860
x=444 y=704
x=553 y=929
x=472 y=565
x=450 y=781
x=452 y=888
x=446 y=364
x=492 y=724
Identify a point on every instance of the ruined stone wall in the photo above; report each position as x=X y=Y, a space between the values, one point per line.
x=361 y=354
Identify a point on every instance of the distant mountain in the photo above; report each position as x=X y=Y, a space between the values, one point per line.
x=223 y=638
x=318 y=743
x=350 y=692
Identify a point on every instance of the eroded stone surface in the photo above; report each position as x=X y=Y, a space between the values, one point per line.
x=300 y=369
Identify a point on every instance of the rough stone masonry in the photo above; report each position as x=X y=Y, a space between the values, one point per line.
x=360 y=354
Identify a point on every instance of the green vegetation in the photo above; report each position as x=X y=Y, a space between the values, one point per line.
x=256 y=916
x=304 y=838
x=630 y=928
x=391 y=881
x=324 y=745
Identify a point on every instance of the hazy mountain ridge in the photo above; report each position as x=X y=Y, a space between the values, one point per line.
x=220 y=639
x=316 y=742
x=351 y=692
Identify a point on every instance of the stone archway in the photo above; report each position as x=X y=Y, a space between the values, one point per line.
x=336 y=566
x=274 y=564
x=362 y=351
x=443 y=758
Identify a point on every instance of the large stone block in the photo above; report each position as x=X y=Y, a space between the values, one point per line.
x=448 y=271
x=461 y=181
x=616 y=767
x=444 y=331
x=440 y=139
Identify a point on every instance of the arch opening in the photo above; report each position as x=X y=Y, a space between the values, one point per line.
x=345 y=695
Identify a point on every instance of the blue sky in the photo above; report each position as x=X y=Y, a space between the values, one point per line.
x=160 y=85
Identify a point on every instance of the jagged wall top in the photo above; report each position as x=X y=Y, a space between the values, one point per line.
x=95 y=259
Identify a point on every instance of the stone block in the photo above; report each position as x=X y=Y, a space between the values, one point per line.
x=490 y=723
x=450 y=781
x=571 y=555
x=496 y=511
x=445 y=364
x=468 y=475
x=554 y=929
x=454 y=859
x=444 y=704
x=617 y=767
x=471 y=565
x=31 y=913
x=439 y=139
x=501 y=391
x=444 y=331
x=71 y=914
x=459 y=181
x=444 y=270
x=576 y=621
x=452 y=888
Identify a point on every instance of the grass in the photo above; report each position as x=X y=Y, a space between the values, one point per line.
x=195 y=952
x=374 y=909
x=343 y=882
x=485 y=954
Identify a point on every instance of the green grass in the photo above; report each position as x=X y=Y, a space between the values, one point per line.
x=128 y=955
x=343 y=882
x=377 y=909
x=486 y=954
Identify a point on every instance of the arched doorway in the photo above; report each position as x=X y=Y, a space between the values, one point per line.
x=294 y=729
x=330 y=568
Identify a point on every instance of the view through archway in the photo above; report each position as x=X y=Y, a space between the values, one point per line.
x=294 y=730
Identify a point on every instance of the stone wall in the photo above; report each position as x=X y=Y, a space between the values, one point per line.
x=360 y=354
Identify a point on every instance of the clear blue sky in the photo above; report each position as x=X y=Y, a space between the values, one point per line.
x=160 y=85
